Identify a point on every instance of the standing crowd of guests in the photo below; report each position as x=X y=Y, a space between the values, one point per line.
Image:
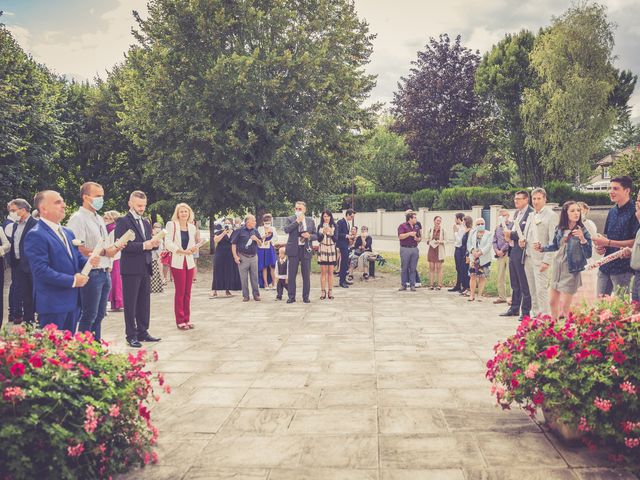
x=544 y=253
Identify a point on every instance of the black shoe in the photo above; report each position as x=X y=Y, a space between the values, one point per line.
x=402 y=289
x=344 y=285
x=149 y=338
x=521 y=318
x=454 y=289
x=413 y=289
x=306 y=300
x=134 y=343
x=278 y=298
x=348 y=282
x=510 y=313
x=291 y=300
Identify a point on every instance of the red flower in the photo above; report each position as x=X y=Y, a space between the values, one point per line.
x=17 y=369
x=538 y=398
x=619 y=357
x=36 y=362
x=551 y=352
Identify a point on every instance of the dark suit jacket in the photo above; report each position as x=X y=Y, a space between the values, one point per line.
x=134 y=260
x=292 y=228
x=367 y=244
x=53 y=269
x=24 y=266
x=342 y=231
x=514 y=234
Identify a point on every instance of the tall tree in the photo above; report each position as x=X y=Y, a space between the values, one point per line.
x=237 y=103
x=568 y=115
x=502 y=76
x=438 y=112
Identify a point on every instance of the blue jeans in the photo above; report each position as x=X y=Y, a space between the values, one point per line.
x=93 y=297
x=635 y=291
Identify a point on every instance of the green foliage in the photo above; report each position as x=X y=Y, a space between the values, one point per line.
x=568 y=115
x=424 y=198
x=371 y=202
x=385 y=160
x=628 y=164
x=259 y=100
x=463 y=198
x=70 y=408
x=560 y=192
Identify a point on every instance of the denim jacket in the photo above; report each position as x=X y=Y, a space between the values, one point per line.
x=577 y=253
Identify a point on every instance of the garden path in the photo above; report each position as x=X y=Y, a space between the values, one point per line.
x=376 y=384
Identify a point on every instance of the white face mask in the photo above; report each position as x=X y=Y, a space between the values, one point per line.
x=267 y=225
x=13 y=216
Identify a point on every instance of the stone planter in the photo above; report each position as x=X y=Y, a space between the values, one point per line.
x=569 y=435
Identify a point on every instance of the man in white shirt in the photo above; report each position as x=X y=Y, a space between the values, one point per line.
x=459 y=253
x=90 y=228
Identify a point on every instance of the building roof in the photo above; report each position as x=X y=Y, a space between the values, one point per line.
x=609 y=159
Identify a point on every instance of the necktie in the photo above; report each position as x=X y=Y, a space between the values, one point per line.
x=64 y=239
x=141 y=223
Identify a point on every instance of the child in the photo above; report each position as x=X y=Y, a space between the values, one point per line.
x=282 y=266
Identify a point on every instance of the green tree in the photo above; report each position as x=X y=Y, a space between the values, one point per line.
x=385 y=160
x=501 y=78
x=568 y=115
x=238 y=104
x=628 y=164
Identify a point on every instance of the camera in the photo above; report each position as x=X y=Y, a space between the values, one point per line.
x=227 y=226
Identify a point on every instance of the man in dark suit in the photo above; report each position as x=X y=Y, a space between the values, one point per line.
x=22 y=308
x=302 y=232
x=343 y=235
x=56 y=264
x=135 y=269
x=520 y=297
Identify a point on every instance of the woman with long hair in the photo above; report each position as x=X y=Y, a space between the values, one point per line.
x=115 y=295
x=572 y=241
x=435 y=254
x=266 y=252
x=180 y=240
x=225 y=270
x=327 y=253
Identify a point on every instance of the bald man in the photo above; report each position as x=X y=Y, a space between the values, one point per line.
x=55 y=264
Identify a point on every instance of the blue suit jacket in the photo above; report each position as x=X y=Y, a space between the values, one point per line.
x=342 y=231
x=53 y=269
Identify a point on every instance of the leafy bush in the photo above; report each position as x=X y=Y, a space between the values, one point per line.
x=424 y=198
x=70 y=408
x=583 y=370
x=560 y=192
x=371 y=201
x=463 y=198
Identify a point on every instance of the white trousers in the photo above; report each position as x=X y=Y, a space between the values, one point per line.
x=538 y=285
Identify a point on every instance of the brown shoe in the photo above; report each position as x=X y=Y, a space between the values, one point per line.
x=245 y=299
x=257 y=299
x=499 y=300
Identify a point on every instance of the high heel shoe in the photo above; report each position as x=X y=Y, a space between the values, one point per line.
x=324 y=295
x=330 y=297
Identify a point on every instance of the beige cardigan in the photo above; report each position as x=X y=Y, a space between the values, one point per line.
x=441 y=253
x=173 y=242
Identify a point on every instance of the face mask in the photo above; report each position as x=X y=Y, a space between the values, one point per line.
x=299 y=213
x=13 y=216
x=480 y=228
x=267 y=225
x=97 y=203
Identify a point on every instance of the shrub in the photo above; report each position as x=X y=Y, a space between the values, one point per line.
x=560 y=192
x=463 y=198
x=583 y=370
x=70 y=408
x=371 y=201
x=424 y=198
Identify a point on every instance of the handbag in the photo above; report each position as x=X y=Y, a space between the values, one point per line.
x=165 y=255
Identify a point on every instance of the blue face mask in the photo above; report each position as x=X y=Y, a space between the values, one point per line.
x=480 y=228
x=97 y=203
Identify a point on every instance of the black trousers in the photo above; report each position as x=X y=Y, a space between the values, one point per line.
x=303 y=259
x=520 y=297
x=344 y=263
x=458 y=256
x=281 y=286
x=2 y=292
x=25 y=282
x=136 y=296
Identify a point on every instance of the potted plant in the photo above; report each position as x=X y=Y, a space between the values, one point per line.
x=582 y=371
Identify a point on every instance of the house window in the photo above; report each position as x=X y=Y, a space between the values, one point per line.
x=605 y=173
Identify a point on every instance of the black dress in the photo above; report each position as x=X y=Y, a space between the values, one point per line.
x=225 y=270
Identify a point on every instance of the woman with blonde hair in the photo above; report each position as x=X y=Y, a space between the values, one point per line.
x=115 y=295
x=180 y=240
x=435 y=254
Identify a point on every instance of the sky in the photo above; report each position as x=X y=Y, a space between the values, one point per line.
x=85 y=38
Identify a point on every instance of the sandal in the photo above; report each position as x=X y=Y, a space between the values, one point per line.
x=229 y=294
x=213 y=295
x=183 y=326
x=324 y=295
x=330 y=297
x=191 y=326
x=470 y=299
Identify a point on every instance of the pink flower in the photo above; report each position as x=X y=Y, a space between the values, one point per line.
x=604 y=405
x=154 y=457
x=628 y=387
x=619 y=357
x=631 y=442
x=583 y=426
x=605 y=315
x=75 y=451
x=551 y=352
x=167 y=389
x=538 y=398
x=91 y=419
x=114 y=411
x=155 y=356
x=13 y=394
x=35 y=361
x=17 y=369
x=531 y=370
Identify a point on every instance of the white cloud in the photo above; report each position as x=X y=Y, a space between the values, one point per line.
x=8 y=14
x=88 y=54
x=21 y=34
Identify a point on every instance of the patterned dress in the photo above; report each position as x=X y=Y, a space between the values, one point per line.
x=327 y=254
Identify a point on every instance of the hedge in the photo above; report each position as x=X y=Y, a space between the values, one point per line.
x=463 y=198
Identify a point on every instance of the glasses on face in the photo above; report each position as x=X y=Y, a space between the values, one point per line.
x=298 y=209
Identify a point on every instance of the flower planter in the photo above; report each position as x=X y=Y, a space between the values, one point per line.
x=569 y=435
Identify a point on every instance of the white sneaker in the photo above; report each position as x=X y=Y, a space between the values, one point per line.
x=418 y=285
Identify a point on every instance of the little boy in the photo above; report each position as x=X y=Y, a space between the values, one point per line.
x=281 y=272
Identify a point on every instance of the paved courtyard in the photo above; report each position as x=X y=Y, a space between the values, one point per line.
x=377 y=384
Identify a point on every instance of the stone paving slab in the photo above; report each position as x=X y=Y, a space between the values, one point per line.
x=374 y=385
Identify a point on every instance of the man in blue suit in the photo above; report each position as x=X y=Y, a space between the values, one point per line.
x=343 y=235
x=55 y=264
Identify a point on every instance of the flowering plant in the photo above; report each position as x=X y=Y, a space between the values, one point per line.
x=70 y=408
x=584 y=369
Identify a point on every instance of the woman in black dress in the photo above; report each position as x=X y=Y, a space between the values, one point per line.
x=225 y=270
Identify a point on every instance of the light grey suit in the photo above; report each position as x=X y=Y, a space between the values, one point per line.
x=540 y=227
x=299 y=254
